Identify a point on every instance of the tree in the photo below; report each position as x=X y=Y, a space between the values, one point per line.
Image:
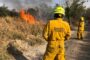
x=13 y=13
x=87 y=14
x=32 y=11
x=45 y=11
x=67 y=11
x=75 y=10
x=4 y=11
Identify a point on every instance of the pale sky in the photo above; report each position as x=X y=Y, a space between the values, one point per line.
x=31 y=3
x=87 y=4
x=23 y=3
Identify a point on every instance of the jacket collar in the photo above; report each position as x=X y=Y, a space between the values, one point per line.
x=60 y=19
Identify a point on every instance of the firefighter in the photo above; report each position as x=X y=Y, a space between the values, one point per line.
x=80 y=28
x=55 y=32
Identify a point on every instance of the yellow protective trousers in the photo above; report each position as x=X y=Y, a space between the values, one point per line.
x=80 y=34
x=55 y=51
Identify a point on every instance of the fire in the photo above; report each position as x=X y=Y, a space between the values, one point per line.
x=27 y=17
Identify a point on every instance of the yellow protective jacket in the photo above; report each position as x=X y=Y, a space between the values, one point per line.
x=81 y=26
x=56 y=30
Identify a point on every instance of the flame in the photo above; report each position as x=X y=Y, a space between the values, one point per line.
x=27 y=17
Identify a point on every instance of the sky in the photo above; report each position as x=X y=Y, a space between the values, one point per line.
x=23 y=3
x=32 y=3
x=87 y=3
x=58 y=1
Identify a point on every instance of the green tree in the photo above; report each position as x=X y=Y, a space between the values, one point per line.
x=4 y=11
x=75 y=10
x=87 y=14
x=32 y=11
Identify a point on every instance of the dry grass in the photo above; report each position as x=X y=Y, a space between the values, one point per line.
x=17 y=28
x=3 y=51
x=12 y=28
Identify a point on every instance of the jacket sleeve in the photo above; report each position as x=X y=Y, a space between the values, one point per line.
x=46 y=31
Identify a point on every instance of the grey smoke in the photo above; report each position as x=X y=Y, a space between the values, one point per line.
x=24 y=3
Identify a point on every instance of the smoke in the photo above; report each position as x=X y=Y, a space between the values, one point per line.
x=24 y=3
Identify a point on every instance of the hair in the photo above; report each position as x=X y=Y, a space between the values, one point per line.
x=81 y=20
x=57 y=15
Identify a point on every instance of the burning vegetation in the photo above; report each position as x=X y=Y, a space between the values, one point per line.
x=27 y=17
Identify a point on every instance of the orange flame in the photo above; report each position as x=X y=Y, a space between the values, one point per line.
x=27 y=17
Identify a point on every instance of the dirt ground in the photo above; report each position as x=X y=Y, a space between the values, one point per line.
x=78 y=49
x=75 y=49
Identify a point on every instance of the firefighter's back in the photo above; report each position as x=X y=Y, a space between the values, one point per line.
x=58 y=29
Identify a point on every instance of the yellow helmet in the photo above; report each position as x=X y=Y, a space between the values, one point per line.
x=60 y=10
x=82 y=18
